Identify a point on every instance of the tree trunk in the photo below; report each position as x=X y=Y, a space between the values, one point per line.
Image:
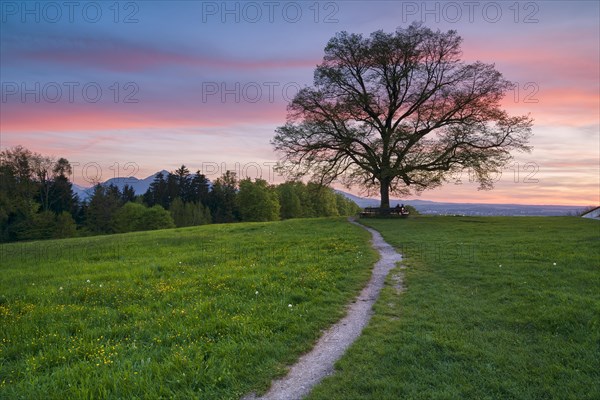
x=385 y=194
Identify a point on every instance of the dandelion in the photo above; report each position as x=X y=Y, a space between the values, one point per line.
x=500 y=266
x=289 y=305
x=256 y=292
x=88 y=281
x=554 y=264
x=60 y=288
x=100 y=285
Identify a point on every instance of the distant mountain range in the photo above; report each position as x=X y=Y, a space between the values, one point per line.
x=139 y=185
x=423 y=206
x=442 y=208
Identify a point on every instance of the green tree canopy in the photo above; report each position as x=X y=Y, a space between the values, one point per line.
x=189 y=214
x=136 y=217
x=257 y=201
x=222 y=198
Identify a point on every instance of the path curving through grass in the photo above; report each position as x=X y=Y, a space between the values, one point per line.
x=312 y=367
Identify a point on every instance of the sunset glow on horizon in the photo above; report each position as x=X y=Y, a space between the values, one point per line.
x=160 y=84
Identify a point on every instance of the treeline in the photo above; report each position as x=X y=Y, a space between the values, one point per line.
x=37 y=201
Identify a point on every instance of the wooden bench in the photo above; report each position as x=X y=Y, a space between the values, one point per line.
x=376 y=212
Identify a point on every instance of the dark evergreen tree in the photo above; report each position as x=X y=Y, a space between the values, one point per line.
x=81 y=213
x=43 y=176
x=172 y=191
x=128 y=194
x=60 y=196
x=18 y=188
x=198 y=190
x=183 y=179
x=40 y=225
x=157 y=192
x=114 y=192
x=103 y=205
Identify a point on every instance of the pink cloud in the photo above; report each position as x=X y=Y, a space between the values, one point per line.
x=61 y=117
x=566 y=106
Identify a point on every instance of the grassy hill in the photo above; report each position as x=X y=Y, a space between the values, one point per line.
x=492 y=308
x=205 y=312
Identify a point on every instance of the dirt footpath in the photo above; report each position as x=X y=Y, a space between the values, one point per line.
x=312 y=367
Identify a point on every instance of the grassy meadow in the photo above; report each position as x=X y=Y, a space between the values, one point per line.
x=492 y=308
x=209 y=312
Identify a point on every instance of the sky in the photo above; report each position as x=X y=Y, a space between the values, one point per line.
x=133 y=87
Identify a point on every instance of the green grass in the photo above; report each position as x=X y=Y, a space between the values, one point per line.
x=185 y=313
x=493 y=308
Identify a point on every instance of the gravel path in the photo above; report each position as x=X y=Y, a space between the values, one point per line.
x=312 y=367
